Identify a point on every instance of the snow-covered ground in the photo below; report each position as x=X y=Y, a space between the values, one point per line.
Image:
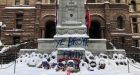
x=22 y=68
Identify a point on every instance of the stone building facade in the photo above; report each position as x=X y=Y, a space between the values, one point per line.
x=33 y=19
x=134 y=12
x=134 y=20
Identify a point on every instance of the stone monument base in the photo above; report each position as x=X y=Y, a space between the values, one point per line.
x=94 y=45
x=97 y=45
x=46 y=45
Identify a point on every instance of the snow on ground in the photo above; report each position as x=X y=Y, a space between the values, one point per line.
x=23 y=69
x=24 y=61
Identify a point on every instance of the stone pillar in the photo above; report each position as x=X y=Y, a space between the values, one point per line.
x=108 y=28
x=43 y=33
x=102 y=32
x=38 y=11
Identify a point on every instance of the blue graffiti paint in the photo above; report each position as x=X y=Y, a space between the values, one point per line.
x=72 y=42
x=60 y=42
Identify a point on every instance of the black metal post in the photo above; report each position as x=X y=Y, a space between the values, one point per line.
x=0 y=33
x=1 y=59
x=2 y=55
x=15 y=63
x=128 y=66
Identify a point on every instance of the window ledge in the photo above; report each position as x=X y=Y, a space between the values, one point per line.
x=132 y=11
x=135 y=47
x=20 y=5
x=120 y=29
x=15 y=30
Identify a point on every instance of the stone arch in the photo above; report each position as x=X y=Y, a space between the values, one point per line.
x=48 y=26
x=117 y=15
x=97 y=27
x=45 y=19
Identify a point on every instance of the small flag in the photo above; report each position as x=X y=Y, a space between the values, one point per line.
x=68 y=72
x=88 y=19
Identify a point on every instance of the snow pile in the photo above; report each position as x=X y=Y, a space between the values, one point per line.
x=32 y=59
x=90 y=63
x=83 y=65
x=5 y=48
x=44 y=64
x=38 y=59
x=102 y=61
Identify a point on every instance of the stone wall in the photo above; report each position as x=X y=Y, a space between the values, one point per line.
x=35 y=19
x=28 y=25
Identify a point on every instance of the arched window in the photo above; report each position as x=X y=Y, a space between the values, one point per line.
x=133 y=5
x=120 y=22
x=19 y=20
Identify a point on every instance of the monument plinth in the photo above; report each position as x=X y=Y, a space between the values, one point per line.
x=71 y=32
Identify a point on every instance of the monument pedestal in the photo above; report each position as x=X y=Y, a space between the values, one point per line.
x=46 y=45
x=97 y=45
x=94 y=45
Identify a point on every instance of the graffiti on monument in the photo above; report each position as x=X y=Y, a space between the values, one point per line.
x=72 y=42
x=60 y=42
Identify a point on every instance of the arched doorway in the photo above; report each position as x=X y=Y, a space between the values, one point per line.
x=50 y=29
x=95 y=30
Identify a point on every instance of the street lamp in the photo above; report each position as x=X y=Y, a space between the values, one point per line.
x=1 y=27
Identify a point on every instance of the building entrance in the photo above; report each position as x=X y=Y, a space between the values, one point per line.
x=95 y=30
x=50 y=29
